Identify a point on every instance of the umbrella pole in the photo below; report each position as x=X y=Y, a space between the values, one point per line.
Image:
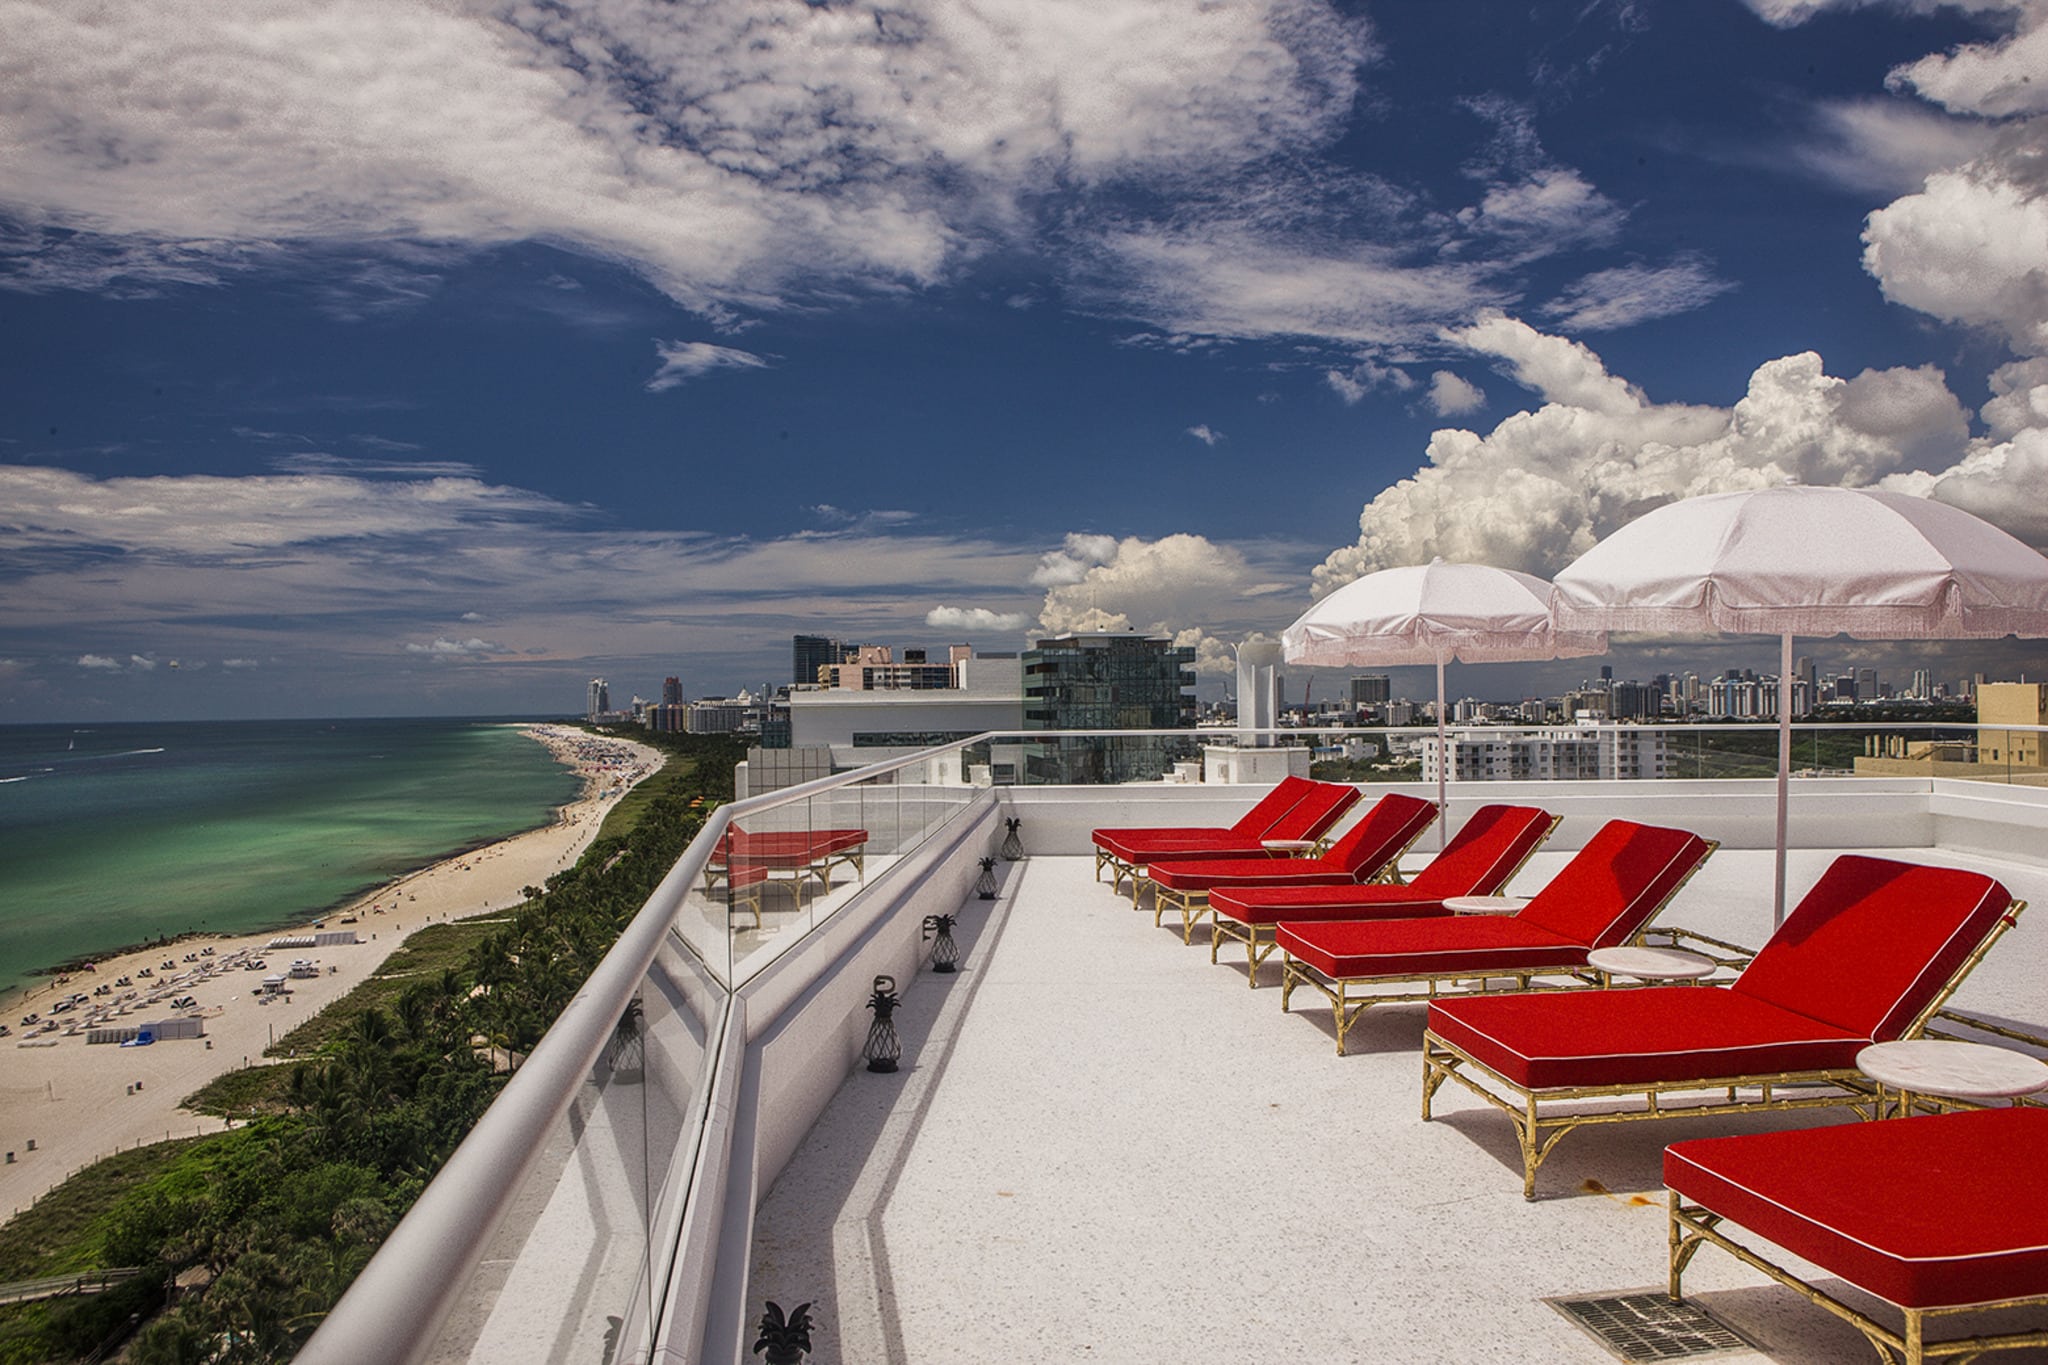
x=1784 y=768
x=1443 y=760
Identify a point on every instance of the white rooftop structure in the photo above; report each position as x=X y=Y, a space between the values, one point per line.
x=1099 y=1145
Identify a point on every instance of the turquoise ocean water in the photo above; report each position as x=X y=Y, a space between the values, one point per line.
x=114 y=834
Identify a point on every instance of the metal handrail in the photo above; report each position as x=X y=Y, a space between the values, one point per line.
x=396 y=1305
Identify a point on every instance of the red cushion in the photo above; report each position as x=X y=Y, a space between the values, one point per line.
x=1480 y=858
x=1637 y=1036
x=1142 y=846
x=1931 y=1212
x=1485 y=852
x=1613 y=885
x=1200 y=875
x=1379 y=837
x=1424 y=947
x=1874 y=942
x=1266 y=904
x=1315 y=813
x=1290 y=792
x=786 y=848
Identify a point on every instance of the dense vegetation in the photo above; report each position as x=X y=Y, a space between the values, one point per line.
x=246 y=1238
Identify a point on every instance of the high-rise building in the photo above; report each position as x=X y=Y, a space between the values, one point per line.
x=1108 y=680
x=809 y=653
x=1635 y=701
x=1371 y=689
x=599 y=700
x=1866 y=684
x=671 y=691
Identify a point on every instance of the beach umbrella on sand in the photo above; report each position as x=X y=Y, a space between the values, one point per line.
x=1807 y=561
x=1431 y=614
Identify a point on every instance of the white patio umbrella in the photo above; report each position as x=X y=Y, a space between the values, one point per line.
x=1431 y=614
x=1807 y=561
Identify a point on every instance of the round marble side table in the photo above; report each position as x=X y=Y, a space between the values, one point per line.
x=1649 y=964
x=1949 y=1070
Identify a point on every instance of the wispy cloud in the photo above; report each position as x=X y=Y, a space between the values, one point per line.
x=444 y=648
x=321 y=462
x=682 y=361
x=1625 y=295
x=1204 y=433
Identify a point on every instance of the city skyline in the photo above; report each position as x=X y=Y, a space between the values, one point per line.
x=369 y=360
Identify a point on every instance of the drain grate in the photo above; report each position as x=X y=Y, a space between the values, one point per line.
x=1642 y=1328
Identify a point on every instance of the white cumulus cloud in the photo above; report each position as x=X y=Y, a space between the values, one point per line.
x=1079 y=553
x=99 y=661
x=973 y=620
x=1205 y=434
x=1451 y=396
x=1363 y=378
x=1544 y=485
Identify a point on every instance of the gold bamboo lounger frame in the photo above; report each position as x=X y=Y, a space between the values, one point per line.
x=1346 y=1008
x=1195 y=904
x=1141 y=876
x=1255 y=955
x=1539 y=1127
x=1692 y=1226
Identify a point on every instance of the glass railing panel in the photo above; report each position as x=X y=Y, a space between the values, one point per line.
x=575 y=1268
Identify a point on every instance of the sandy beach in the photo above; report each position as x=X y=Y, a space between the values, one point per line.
x=65 y=1103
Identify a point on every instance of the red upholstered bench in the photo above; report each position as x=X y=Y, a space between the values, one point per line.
x=746 y=860
x=1609 y=891
x=1370 y=851
x=1934 y=1215
x=1481 y=858
x=1872 y=950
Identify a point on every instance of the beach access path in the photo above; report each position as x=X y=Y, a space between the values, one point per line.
x=79 y=1102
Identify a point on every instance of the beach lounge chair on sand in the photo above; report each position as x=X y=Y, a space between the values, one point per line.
x=1601 y=898
x=1481 y=858
x=1299 y=825
x=1370 y=851
x=1868 y=956
x=1938 y=1216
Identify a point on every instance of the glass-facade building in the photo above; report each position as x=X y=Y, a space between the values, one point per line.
x=809 y=653
x=1108 y=681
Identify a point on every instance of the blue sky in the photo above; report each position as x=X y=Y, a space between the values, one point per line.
x=368 y=357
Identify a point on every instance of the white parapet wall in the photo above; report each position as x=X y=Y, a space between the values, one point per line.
x=1825 y=812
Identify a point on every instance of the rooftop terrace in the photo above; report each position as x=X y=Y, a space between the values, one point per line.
x=1103 y=1147
x=1099 y=1145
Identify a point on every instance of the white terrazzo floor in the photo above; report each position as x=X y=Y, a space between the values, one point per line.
x=1101 y=1147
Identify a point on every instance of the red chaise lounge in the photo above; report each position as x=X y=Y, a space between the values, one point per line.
x=1868 y=956
x=1601 y=898
x=1302 y=821
x=1370 y=851
x=1937 y=1215
x=1481 y=858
